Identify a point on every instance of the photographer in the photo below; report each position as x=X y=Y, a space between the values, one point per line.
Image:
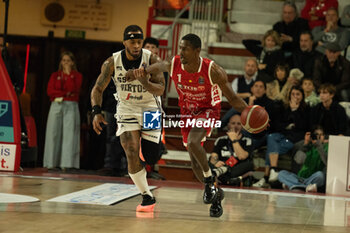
x=313 y=155
x=230 y=159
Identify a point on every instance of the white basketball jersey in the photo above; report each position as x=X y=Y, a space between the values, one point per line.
x=131 y=93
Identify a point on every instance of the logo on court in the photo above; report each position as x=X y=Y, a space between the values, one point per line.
x=151 y=119
x=3 y=108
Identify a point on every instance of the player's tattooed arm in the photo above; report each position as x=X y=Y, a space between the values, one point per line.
x=153 y=82
x=219 y=77
x=102 y=82
x=97 y=91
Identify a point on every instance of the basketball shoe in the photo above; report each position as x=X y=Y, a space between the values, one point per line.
x=210 y=191
x=216 y=209
x=147 y=205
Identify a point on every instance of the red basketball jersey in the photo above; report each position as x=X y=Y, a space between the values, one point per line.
x=196 y=91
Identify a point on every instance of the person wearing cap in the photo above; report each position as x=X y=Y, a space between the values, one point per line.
x=335 y=69
x=331 y=32
x=136 y=98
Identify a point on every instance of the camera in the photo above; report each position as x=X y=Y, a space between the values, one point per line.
x=314 y=136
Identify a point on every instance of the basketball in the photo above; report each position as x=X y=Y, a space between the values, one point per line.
x=254 y=119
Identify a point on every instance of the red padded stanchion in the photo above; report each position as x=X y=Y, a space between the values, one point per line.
x=10 y=129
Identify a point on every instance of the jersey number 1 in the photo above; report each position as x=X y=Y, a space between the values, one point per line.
x=179 y=78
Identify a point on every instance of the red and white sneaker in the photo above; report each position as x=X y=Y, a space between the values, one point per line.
x=147 y=205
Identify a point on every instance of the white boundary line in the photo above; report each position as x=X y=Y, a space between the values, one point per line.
x=286 y=194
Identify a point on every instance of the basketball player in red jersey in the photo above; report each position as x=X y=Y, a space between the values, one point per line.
x=199 y=83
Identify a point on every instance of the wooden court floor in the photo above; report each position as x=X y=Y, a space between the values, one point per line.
x=179 y=209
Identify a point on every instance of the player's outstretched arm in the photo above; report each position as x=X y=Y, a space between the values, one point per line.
x=102 y=82
x=219 y=77
x=151 y=77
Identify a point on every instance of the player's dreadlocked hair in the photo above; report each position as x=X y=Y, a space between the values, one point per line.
x=194 y=40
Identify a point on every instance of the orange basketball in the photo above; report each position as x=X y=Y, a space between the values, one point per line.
x=254 y=119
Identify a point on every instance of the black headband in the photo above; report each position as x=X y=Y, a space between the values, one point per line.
x=133 y=36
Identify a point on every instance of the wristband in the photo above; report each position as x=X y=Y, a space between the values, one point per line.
x=96 y=109
x=234 y=141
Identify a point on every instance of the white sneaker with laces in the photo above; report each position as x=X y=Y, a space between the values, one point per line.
x=311 y=188
x=260 y=183
x=273 y=175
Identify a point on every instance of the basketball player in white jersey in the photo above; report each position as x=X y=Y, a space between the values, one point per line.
x=133 y=99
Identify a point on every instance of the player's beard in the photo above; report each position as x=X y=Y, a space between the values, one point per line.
x=134 y=55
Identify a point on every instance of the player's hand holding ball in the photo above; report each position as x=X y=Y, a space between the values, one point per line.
x=254 y=119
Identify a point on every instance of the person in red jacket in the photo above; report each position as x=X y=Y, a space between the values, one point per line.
x=62 y=141
x=315 y=11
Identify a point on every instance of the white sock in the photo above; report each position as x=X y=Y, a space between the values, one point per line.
x=208 y=173
x=140 y=181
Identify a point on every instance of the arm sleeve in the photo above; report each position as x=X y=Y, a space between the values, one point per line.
x=254 y=46
x=235 y=85
x=217 y=147
x=317 y=72
x=317 y=33
x=322 y=152
x=345 y=79
x=52 y=90
x=345 y=17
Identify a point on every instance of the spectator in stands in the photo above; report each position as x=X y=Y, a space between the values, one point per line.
x=311 y=97
x=268 y=53
x=329 y=114
x=335 y=69
x=331 y=32
x=115 y=159
x=312 y=174
x=241 y=85
x=259 y=98
x=151 y=44
x=315 y=11
x=292 y=124
x=62 y=140
x=274 y=88
x=345 y=17
x=231 y=156
x=294 y=78
x=304 y=58
x=290 y=27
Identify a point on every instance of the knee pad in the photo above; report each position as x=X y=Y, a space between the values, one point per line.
x=151 y=151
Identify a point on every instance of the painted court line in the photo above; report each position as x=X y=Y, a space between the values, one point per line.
x=287 y=194
x=16 y=198
x=104 y=194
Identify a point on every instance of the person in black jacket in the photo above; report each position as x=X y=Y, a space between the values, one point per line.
x=335 y=69
x=268 y=54
x=329 y=114
x=304 y=58
x=290 y=27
